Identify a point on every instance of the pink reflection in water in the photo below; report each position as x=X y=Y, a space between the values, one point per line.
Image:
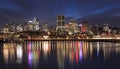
x=29 y=46
x=30 y=57
x=80 y=52
x=76 y=56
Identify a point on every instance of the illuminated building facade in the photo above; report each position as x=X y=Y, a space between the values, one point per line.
x=106 y=27
x=73 y=27
x=35 y=24
x=6 y=29
x=29 y=26
x=60 y=23
x=19 y=28
x=85 y=27
x=32 y=25
x=66 y=27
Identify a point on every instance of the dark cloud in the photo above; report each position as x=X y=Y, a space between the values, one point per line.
x=110 y=16
x=47 y=10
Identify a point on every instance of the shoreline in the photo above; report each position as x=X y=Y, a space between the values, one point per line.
x=49 y=39
x=106 y=40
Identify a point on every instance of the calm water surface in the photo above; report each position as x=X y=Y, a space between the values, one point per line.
x=60 y=55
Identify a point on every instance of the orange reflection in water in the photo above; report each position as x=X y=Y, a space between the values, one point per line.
x=5 y=54
x=74 y=51
x=80 y=51
x=46 y=48
x=9 y=52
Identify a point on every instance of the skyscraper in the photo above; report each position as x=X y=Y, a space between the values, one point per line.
x=60 y=23
x=35 y=24
x=73 y=27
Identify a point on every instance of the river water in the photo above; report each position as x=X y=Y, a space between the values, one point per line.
x=60 y=55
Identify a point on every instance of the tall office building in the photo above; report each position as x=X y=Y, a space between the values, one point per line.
x=35 y=24
x=106 y=27
x=60 y=23
x=29 y=26
x=73 y=27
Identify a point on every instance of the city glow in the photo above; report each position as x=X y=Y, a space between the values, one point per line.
x=45 y=37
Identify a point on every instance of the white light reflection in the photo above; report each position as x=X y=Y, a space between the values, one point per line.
x=45 y=48
x=98 y=45
x=19 y=54
x=91 y=50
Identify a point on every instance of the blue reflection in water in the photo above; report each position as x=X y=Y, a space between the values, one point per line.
x=81 y=56
x=30 y=57
x=80 y=53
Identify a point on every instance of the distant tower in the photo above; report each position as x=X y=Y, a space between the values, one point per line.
x=60 y=23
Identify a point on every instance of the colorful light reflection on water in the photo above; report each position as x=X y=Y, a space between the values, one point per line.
x=58 y=54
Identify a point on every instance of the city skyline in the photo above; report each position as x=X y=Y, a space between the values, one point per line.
x=59 y=34
x=95 y=12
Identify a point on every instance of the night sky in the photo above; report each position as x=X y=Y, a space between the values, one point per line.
x=93 y=11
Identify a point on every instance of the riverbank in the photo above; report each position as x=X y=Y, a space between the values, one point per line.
x=63 y=39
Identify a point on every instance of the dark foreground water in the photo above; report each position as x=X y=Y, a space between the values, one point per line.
x=60 y=55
